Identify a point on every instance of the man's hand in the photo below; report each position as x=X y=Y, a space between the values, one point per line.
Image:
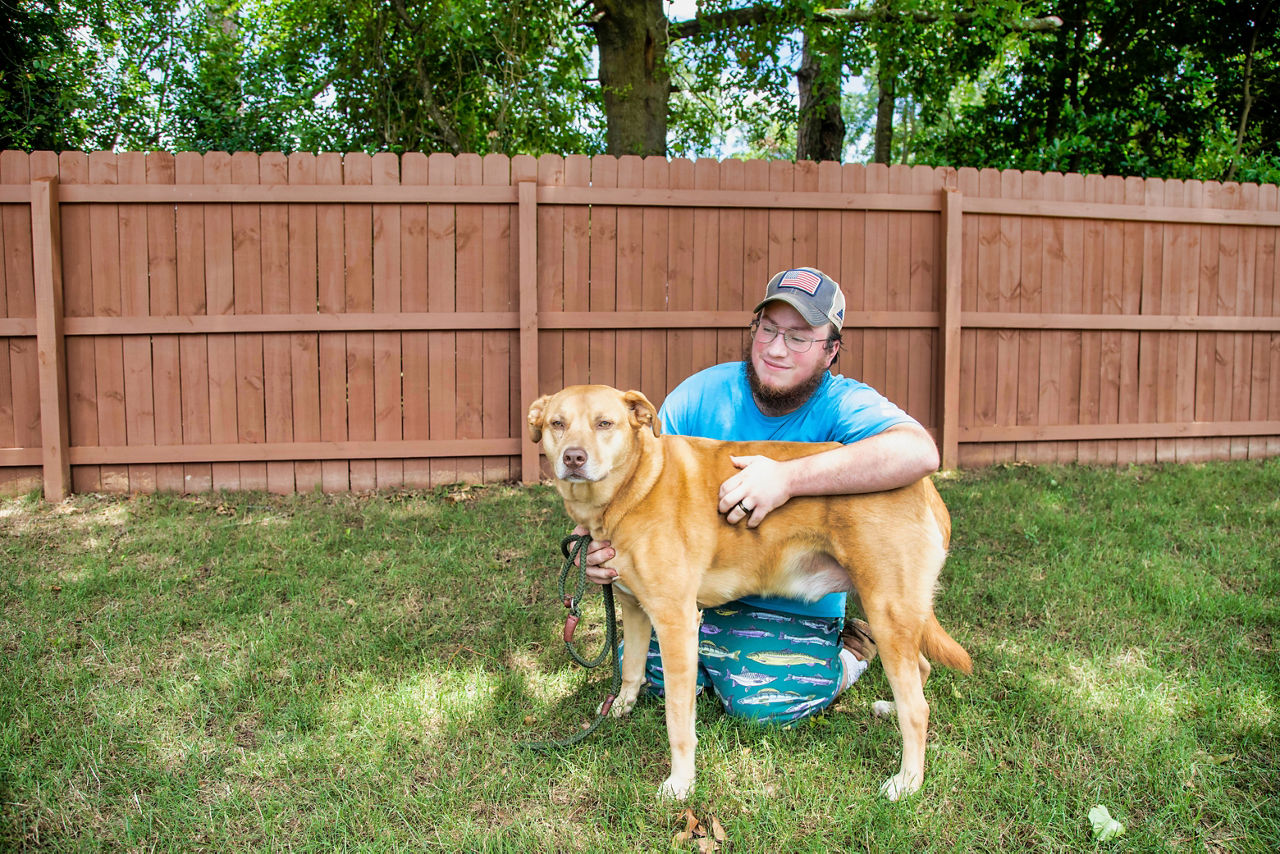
x=756 y=491
x=597 y=554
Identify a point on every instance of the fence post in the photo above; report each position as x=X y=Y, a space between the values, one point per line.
x=949 y=327
x=46 y=239
x=527 y=199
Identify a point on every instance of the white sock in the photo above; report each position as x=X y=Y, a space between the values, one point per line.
x=853 y=668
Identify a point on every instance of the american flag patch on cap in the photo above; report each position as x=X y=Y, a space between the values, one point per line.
x=802 y=280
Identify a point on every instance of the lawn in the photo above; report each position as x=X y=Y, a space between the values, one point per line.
x=250 y=672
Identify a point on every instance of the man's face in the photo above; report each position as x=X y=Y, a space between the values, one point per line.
x=781 y=372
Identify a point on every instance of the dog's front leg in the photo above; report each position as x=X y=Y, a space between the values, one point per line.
x=678 y=642
x=635 y=651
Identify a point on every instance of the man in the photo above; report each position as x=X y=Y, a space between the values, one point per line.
x=780 y=660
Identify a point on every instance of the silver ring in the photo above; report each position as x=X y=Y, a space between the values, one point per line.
x=746 y=511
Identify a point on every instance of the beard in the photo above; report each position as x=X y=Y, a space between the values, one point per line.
x=775 y=402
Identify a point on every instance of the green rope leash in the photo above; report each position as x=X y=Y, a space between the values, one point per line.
x=574 y=549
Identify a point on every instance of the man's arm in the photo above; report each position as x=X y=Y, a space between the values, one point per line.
x=899 y=456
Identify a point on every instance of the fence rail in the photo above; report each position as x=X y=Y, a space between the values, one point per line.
x=191 y=322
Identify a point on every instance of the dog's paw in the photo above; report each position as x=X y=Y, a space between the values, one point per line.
x=674 y=789
x=883 y=709
x=899 y=786
x=620 y=707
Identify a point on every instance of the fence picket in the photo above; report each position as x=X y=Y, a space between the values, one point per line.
x=246 y=267
x=499 y=293
x=442 y=346
x=139 y=383
x=1091 y=271
x=193 y=350
x=388 y=392
x=277 y=365
x=19 y=375
x=357 y=170
x=304 y=347
x=1265 y=376
x=415 y=347
x=331 y=298
x=219 y=236
x=470 y=348
x=162 y=271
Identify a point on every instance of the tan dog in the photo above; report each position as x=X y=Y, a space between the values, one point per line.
x=655 y=499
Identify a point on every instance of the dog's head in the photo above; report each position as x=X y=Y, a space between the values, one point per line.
x=588 y=431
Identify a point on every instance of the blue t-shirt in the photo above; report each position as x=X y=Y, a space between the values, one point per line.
x=716 y=403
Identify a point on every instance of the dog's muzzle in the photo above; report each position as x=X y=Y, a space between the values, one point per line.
x=573 y=464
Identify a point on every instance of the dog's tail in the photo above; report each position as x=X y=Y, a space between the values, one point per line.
x=940 y=647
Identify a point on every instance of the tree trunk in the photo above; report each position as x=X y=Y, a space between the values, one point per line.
x=1247 y=103
x=1059 y=79
x=632 y=37
x=820 y=134
x=887 y=82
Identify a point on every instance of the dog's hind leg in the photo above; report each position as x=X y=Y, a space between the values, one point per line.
x=904 y=667
x=885 y=708
x=677 y=631
x=925 y=669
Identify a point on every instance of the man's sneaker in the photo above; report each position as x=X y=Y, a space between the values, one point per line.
x=856 y=637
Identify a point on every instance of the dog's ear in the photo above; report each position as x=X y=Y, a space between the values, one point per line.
x=643 y=413
x=537 y=416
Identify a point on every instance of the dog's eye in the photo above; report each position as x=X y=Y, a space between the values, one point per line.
x=557 y=424
x=604 y=425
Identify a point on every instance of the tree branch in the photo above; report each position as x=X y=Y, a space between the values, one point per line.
x=866 y=16
x=729 y=19
x=753 y=15
x=1248 y=103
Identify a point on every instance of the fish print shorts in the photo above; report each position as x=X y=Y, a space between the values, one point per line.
x=767 y=666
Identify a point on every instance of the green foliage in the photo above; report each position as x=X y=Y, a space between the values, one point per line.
x=1130 y=87
x=482 y=76
x=736 y=80
x=744 y=74
x=44 y=76
x=290 y=75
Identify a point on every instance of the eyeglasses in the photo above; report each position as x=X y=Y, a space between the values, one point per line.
x=764 y=333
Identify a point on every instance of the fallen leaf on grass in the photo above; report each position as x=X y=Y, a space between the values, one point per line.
x=717 y=831
x=1104 y=826
x=707 y=840
x=690 y=825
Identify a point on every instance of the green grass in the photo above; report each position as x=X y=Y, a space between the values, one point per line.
x=247 y=672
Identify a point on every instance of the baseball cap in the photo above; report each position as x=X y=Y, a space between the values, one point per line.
x=811 y=292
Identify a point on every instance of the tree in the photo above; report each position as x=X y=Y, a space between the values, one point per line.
x=479 y=75
x=42 y=77
x=821 y=126
x=634 y=78
x=441 y=75
x=1132 y=88
x=917 y=48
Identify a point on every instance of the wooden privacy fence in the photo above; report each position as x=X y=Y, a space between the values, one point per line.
x=188 y=322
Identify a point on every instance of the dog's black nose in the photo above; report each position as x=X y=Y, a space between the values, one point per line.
x=574 y=458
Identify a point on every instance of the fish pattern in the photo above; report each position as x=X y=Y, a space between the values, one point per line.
x=750 y=680
x=754 y=652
